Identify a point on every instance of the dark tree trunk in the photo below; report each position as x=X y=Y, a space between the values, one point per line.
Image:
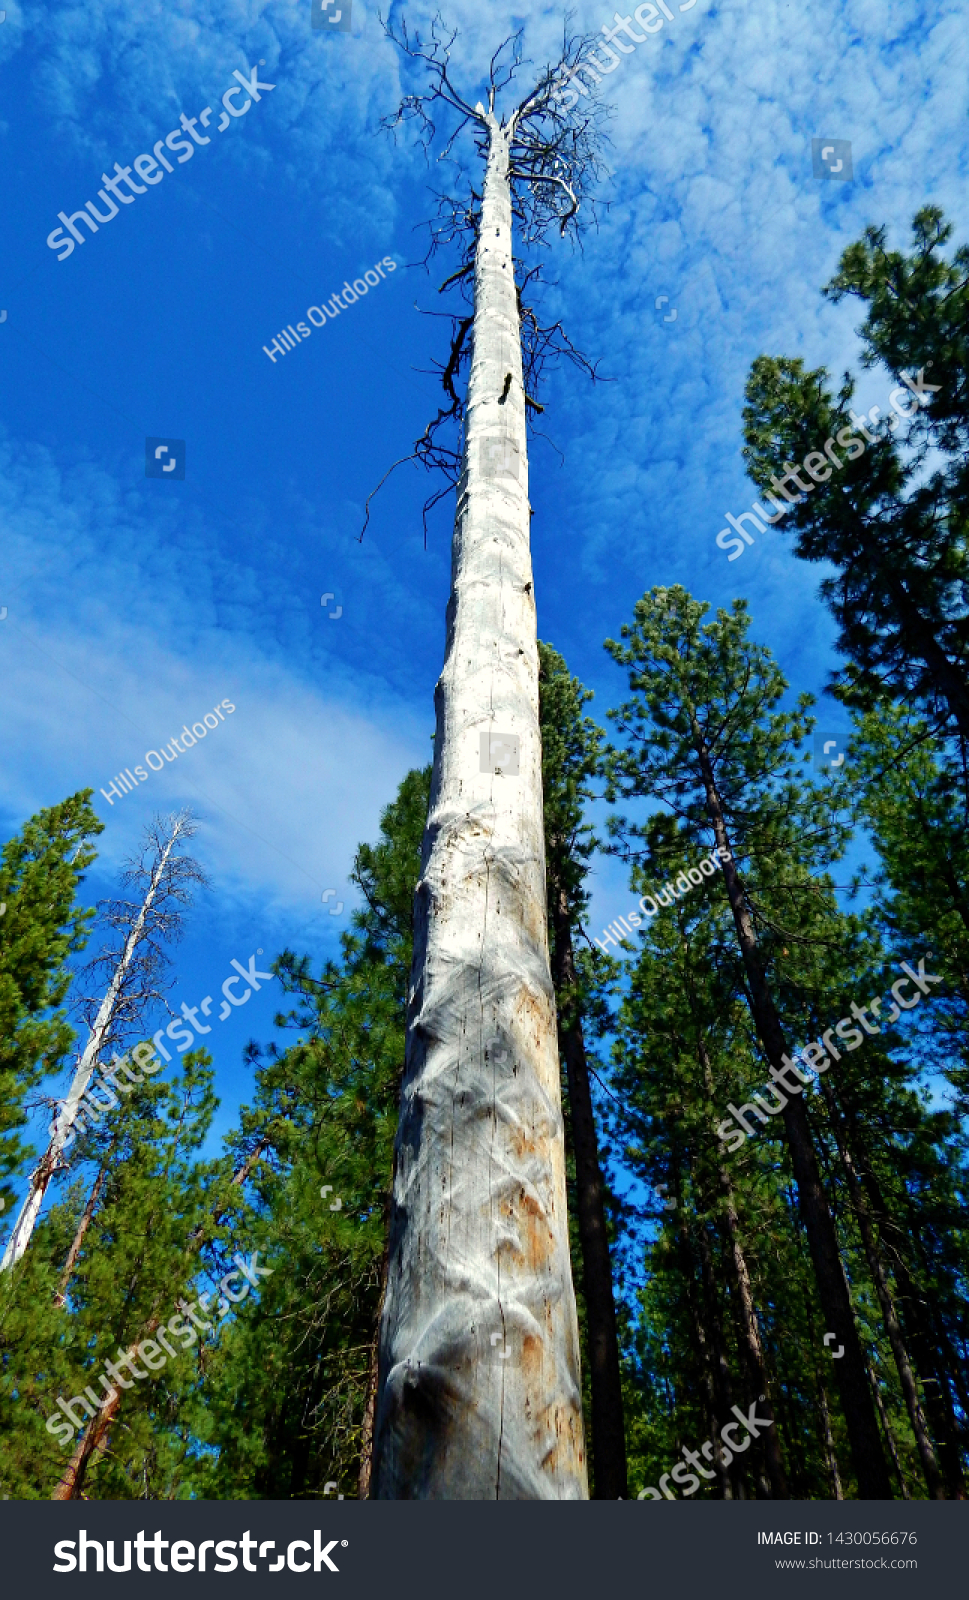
x=887 y=1430
x=60 y=1298
x=751 y=1344
x=832 y=1459
x=879 y=1277
x=366 y=1431
x=932 y=1365
x=717 y=1366
x=874 y=1482
x=608 y=1432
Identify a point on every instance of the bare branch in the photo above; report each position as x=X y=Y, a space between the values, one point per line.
x=553 y=164
x=140 y=985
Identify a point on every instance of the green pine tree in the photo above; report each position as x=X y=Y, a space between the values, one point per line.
x=570 y=759
x=288 y=1403
x=907 y=788
x=162 y=1218
x=41 y=926
x=705 y=736
x=870 y=497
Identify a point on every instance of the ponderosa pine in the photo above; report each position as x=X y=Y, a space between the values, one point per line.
x=703 y=732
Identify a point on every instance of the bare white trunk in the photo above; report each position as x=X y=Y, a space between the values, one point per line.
x=479 y=1391
x=91 y=1055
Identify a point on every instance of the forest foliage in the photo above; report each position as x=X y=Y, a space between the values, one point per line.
x=727 y=1263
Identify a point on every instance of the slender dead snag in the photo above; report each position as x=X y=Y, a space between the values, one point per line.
x=167 y=879
x=478 y=1392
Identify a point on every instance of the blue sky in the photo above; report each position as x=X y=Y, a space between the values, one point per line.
x=134 y=605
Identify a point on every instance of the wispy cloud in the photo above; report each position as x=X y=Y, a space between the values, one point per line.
x=712 y=206
x=103 y=661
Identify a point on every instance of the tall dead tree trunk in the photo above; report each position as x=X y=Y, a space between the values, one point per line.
x=166 y=878
x=479 y=1392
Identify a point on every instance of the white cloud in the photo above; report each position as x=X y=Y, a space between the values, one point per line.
x=712 y=203
x=100 y=667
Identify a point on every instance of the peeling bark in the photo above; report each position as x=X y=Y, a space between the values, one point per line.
x=478 y=1392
